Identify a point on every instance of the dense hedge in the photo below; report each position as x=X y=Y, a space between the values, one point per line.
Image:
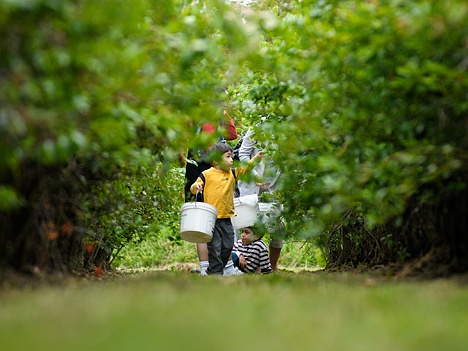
x=367 y=104
x=92 y=96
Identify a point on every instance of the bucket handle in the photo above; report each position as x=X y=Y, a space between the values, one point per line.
x=199 y=193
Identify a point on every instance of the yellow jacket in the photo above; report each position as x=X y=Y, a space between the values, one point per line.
x=218 y=188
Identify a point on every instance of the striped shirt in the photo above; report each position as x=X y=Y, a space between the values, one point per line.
x=255 y=254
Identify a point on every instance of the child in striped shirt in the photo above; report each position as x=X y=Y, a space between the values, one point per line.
x=250 y=254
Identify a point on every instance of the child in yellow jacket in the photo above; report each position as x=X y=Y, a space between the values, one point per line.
x=218 y=184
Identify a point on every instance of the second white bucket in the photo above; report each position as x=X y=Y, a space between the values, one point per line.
x=270 y=208
x=197 y=221
x=247 y=212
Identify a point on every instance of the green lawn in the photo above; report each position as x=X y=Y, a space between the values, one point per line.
x=284 y=311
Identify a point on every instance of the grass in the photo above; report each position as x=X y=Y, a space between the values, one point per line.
x=161 y=250
x=283 y=311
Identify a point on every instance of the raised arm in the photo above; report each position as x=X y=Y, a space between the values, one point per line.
x=246 y=150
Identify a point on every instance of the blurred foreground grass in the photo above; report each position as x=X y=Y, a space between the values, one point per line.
x=283 y=311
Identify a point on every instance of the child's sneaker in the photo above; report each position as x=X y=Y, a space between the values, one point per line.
x=237 y=271
x=229 y=268
x=233 y=271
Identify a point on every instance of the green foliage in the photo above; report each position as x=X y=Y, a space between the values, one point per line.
x=117 y=90
x=81 y=78
x=136 y=208
x=366 y=104
x=9 y=198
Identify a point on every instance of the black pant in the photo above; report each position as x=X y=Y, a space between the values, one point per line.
x=220 y=247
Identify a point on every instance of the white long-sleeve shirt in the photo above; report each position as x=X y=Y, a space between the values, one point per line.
x=265 y=169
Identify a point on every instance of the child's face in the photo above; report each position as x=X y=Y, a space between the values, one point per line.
x=226 y=161
x=247 y=236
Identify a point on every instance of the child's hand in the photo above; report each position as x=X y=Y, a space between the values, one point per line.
x=260 y=154
x=242 y=261
x=199 y=187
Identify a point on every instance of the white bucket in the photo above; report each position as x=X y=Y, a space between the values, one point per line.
x=270 y=214
x=269 y=207
x=246 y=213
x=197 y=221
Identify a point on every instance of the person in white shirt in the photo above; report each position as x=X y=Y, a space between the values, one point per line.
x=269 y=174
